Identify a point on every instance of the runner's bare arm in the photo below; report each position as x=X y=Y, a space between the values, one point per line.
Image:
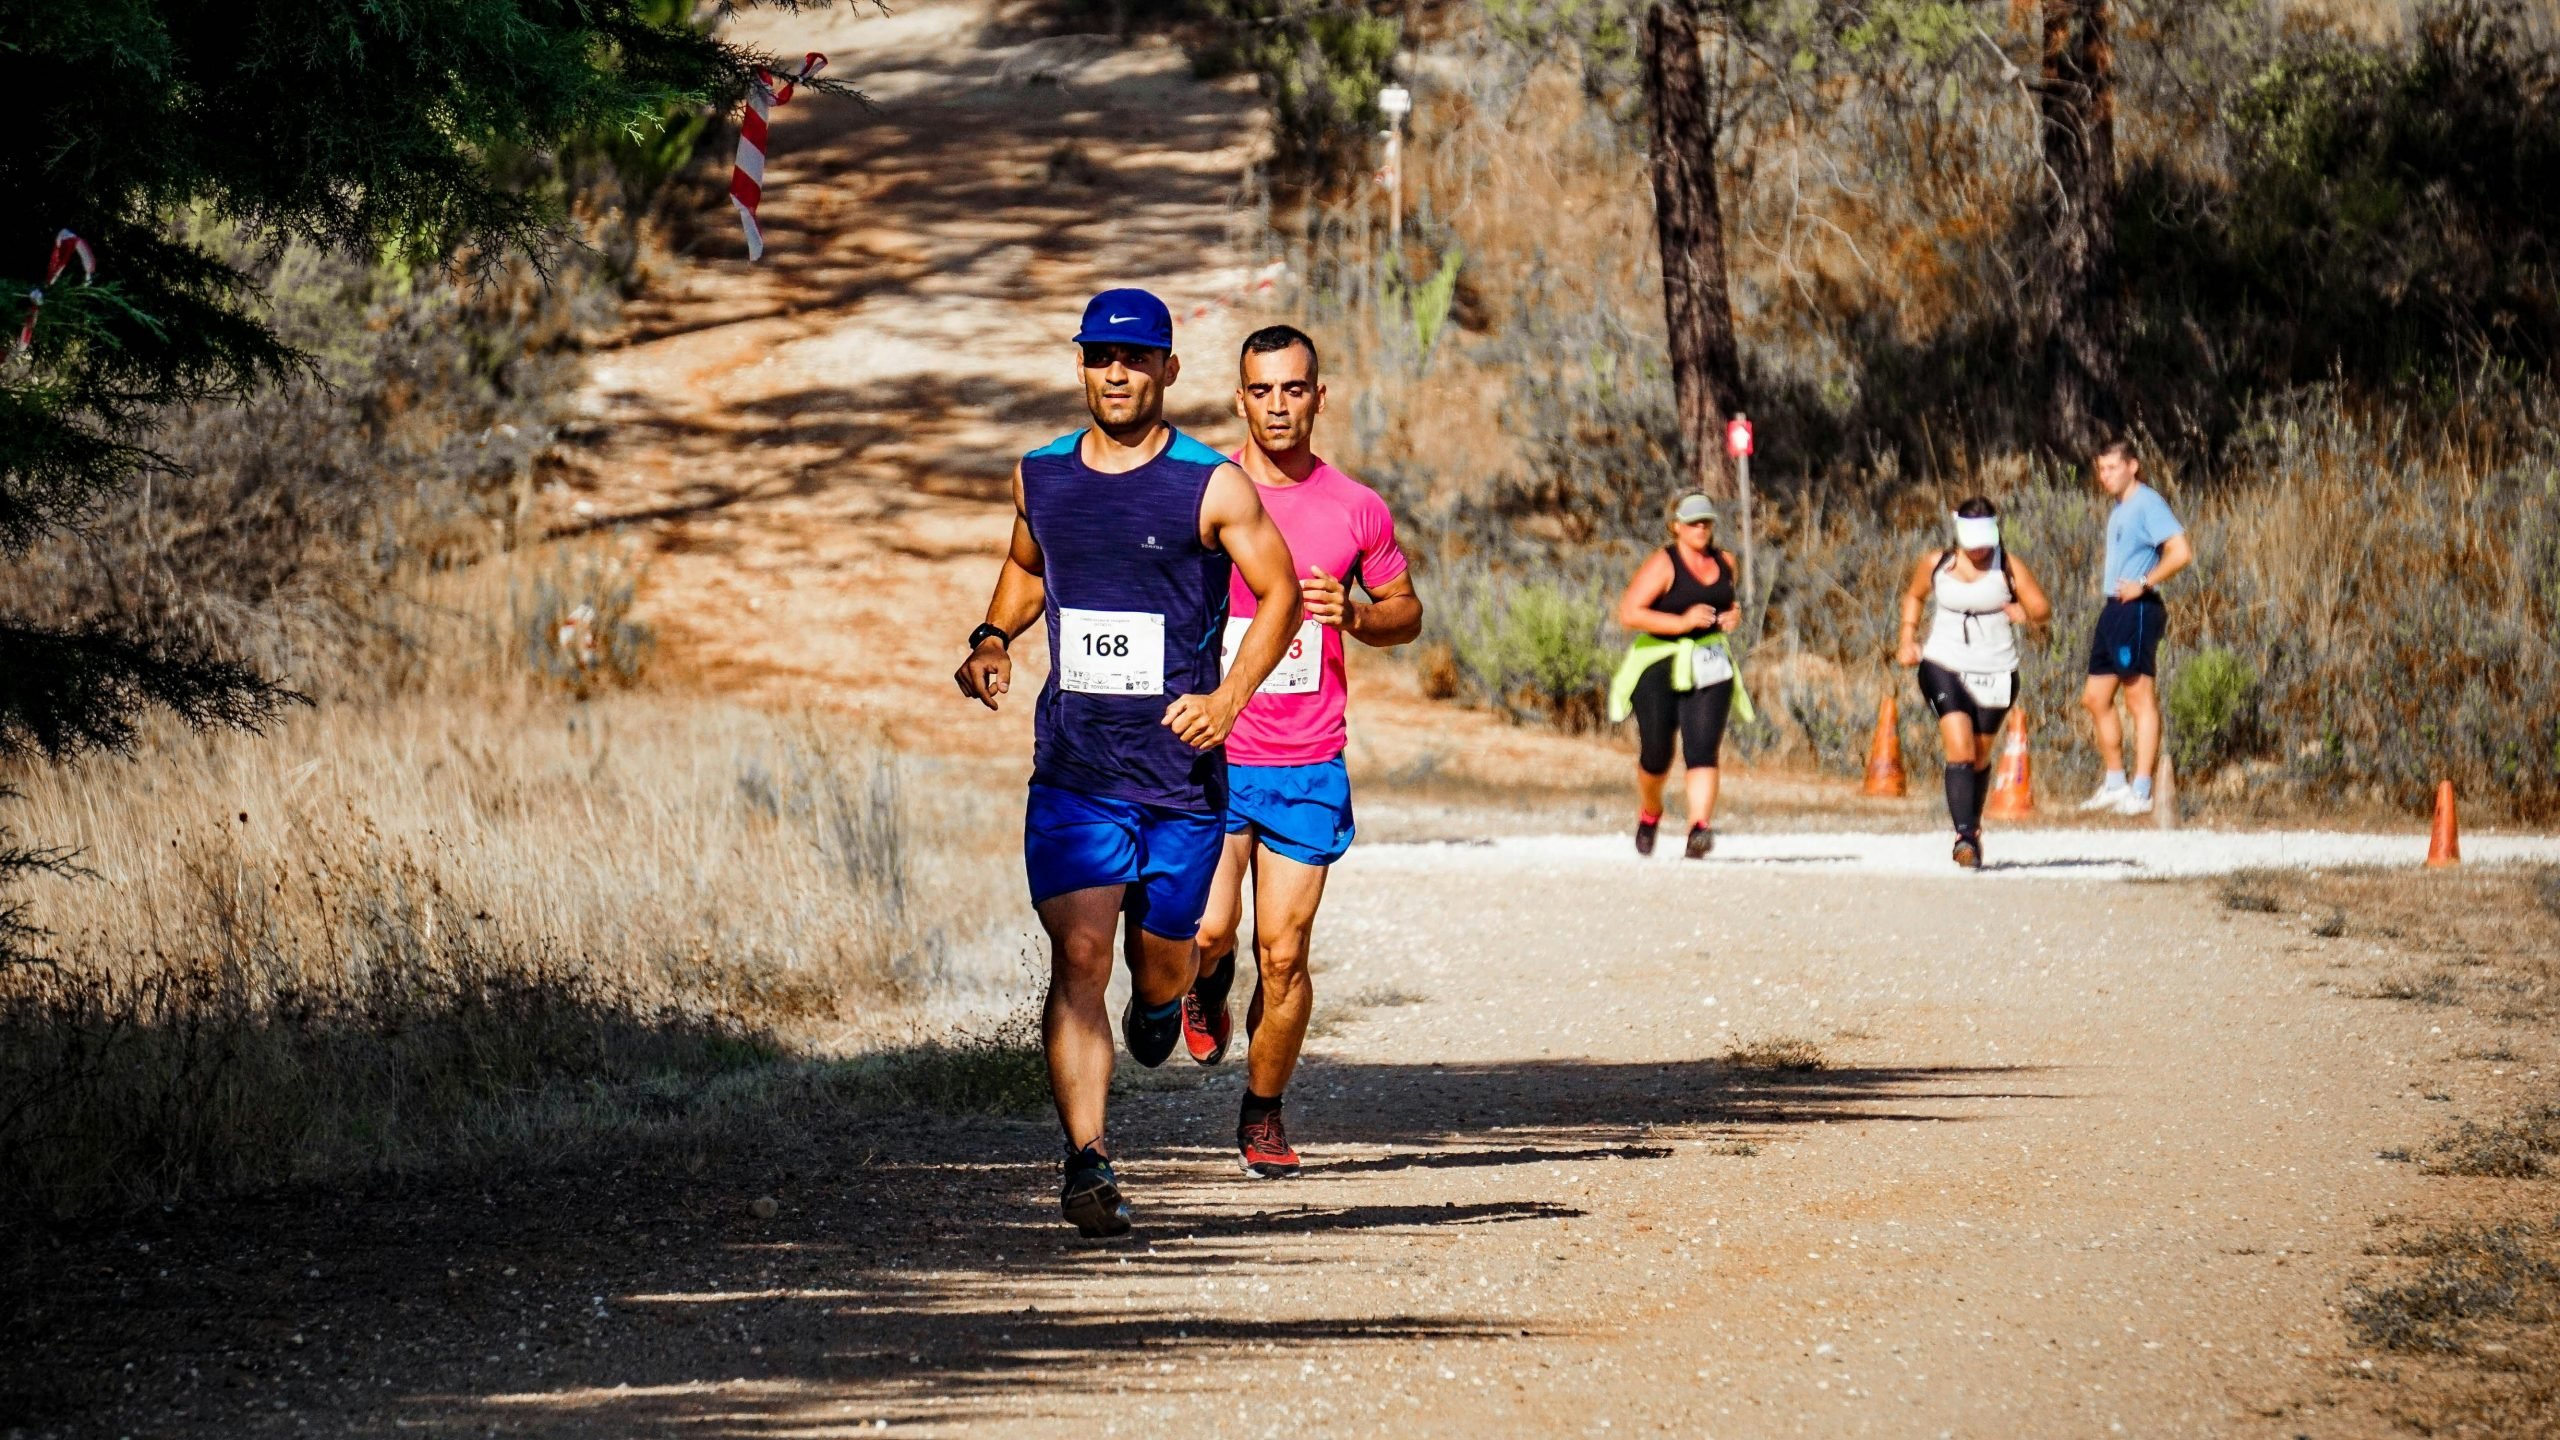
x=2175 y=555
x=1653 y=580
x=1020 y=592
x=1232 y=519
x=1392 y=617
x=1914 y=596
x=1731 y=619
x=2032 y=606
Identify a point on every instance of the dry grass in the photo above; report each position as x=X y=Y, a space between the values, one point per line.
x=2473 y=1305
x=1781 y=1055
x=1883 y=267
x=2473 y=1275
x=388 y=936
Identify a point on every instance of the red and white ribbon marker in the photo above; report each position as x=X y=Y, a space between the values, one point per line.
x=1263 y=281
x=746 y=177
x=1737 y=437
x=66 y=246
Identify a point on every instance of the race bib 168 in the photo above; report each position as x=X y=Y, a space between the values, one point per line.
x=1110 y=652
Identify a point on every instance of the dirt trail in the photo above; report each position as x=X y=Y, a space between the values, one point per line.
x=810 y=455
x=2082 y=1157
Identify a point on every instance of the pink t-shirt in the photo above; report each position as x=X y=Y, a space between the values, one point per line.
x=1335 y=523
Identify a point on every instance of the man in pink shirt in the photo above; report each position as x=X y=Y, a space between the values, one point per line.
x=1288 y=793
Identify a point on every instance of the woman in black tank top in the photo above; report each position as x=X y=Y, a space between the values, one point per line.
x=1684 y=592
x=1688 y=592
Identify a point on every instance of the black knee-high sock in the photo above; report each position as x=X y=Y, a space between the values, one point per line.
x=1964 y=799
x=1981 y=795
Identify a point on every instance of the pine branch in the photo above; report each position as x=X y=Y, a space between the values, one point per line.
x=69 y=693
x=17 y=862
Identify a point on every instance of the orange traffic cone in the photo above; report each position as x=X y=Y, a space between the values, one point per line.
x=2444 y=847
x=1884 y=753
x=2013 y=795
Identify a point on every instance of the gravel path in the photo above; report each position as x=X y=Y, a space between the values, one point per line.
x=2080 y=1158
x=2092 y=854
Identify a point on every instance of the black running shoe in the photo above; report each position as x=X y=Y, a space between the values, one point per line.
x=1645 y=831
x=1151 y=1034
x=1969 y=851
x=1090 y=1198
x=1701 y=840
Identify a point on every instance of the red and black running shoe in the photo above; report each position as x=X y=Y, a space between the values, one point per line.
x=1265 y=1143
x=1646 y=829
x=1207 y=1024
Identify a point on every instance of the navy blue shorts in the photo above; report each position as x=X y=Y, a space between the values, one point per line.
x=1300 y=812
x=1167 y=858
x=2127 y=642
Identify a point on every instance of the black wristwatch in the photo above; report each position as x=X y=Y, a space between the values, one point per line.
x=987 y=632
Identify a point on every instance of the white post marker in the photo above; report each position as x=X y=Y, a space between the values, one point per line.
x=1737 y=443
x=1395 y=102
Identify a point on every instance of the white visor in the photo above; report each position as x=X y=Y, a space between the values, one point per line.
x=1977 y=532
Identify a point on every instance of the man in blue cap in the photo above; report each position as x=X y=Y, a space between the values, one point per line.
x=1124 y=537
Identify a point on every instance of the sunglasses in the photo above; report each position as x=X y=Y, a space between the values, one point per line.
x=1134 y=357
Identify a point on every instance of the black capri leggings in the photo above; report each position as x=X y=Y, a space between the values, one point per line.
x=1697 y=715
x=1945 y=691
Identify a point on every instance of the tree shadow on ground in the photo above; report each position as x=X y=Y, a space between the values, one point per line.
x=916 y=1270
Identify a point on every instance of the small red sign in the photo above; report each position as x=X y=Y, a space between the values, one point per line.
x=1737 y=437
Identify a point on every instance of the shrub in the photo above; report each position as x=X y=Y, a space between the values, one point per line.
x=1532 y=645
x=576 y=626
x=1320 y=65
x=2212 y=704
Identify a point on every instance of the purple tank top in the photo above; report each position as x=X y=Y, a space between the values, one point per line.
x=1124 y=545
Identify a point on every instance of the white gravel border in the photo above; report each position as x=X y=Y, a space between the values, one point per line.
x=2112 y=854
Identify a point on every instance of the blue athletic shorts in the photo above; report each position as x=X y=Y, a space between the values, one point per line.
x=1301 y=812
x=1167 y=858
x=2127 y=642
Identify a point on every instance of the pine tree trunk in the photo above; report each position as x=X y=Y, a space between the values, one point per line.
x=2078 y=95
x=1706 y=366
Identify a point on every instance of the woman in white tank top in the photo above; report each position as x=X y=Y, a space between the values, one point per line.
x=1976 y=595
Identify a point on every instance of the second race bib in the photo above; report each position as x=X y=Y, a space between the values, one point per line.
x=1110 y=652
x=1300 y=669
x=1709 y=665
x=1990 y=689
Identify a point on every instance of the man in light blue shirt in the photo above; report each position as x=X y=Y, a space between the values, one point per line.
x=2145 y=546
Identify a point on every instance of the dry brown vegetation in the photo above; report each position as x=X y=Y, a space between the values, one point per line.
x=2464 y=1306
x=500 y=924
x=1886 y=281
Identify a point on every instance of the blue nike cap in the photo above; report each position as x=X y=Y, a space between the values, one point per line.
x=1126 y=317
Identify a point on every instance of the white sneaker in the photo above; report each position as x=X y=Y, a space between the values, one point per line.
x=2108 y=797
x=2133 y=802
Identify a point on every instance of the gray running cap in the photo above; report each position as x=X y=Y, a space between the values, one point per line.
x=1694 y=506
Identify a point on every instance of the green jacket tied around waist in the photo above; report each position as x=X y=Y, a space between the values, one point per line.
x=1646 y=651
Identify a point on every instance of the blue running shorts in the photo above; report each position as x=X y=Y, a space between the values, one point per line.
x=2127 y=641
x=1072 y=841
x=1301 y=812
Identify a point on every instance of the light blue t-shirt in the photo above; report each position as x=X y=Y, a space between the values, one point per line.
x=2136 y=529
